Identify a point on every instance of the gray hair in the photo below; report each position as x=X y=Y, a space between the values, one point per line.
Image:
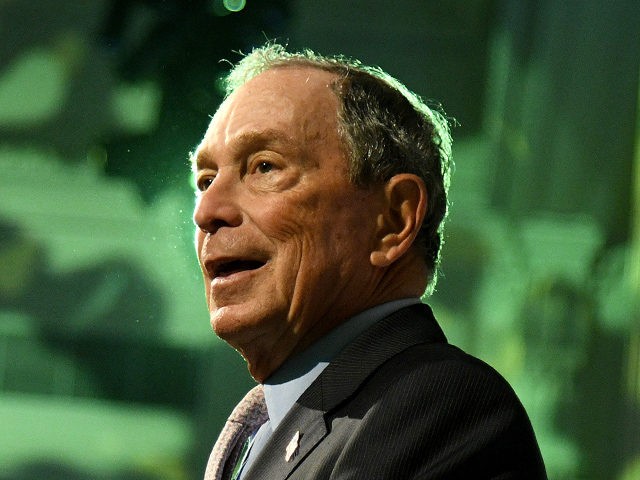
x=386 y=129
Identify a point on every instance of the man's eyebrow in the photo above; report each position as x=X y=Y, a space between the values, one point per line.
x=243 y=143
x=198 y=159
x=261 y=139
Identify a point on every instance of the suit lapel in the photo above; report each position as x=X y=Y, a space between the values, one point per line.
x=344 y=375
x=300 y=431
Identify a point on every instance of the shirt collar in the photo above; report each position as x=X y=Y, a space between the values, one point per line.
x=284 y=387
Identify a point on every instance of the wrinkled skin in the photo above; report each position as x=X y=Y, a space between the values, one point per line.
x=284 y=240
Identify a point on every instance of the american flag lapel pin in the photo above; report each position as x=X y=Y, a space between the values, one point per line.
x=292 y=448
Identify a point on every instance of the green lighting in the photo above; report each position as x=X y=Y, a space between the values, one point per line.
x=234 y=5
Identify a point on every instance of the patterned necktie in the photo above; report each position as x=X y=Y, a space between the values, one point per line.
x=234 y=440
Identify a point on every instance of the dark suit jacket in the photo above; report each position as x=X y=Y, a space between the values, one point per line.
x=401 y=403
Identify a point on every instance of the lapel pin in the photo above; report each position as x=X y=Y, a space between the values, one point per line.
x=292 y=448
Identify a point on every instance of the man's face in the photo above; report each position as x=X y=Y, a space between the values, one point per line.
x=283 y=237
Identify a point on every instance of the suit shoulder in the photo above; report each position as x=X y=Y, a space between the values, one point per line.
x=435 y=410
x=443 y=387
x=438 y=365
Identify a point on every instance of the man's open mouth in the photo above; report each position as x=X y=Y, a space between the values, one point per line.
x=234 y=266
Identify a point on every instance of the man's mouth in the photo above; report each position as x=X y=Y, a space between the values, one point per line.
x=225 y=269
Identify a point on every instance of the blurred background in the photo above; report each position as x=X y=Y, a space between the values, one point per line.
x=108 y=367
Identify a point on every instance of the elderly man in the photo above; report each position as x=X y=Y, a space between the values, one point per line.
x=322 y=188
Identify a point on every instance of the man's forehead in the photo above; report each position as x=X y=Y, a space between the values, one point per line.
x=277 y=90
x=272 y=104
x=284 y=83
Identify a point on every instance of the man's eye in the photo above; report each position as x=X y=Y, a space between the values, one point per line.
x=204 y=183
x=264 y=167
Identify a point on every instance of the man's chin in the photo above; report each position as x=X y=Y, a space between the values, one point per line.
x=222 y=323
x=235 y=325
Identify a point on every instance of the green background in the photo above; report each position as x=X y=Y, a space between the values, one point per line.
x=108 y=367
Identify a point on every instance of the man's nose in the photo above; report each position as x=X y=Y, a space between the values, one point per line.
x=217 y=207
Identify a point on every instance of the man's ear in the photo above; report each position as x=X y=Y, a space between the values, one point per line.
x=398 y=225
